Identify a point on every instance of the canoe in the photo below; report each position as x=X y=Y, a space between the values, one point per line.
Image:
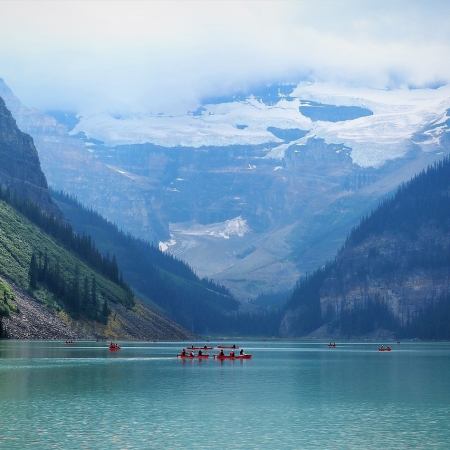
x=114 y=348
x=199 y=348
x=332 y=345
x=233 y=357
x=384 y=349
x=223 y=346
x=192 y=357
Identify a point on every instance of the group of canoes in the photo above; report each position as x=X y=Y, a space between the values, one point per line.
x=380 y=349
x=221 y=355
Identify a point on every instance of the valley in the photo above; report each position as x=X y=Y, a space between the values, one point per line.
x=252 y=191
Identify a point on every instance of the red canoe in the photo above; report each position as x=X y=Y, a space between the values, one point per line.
x=233 y=357
x=114 y=348
x=192 y=357
x=384 y=349
x=222 y=346
x=200 y=348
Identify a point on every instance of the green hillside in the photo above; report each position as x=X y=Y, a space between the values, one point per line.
x=62 y=280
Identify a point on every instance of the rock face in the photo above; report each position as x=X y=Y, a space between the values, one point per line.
x=20 y=169
x=371 y=274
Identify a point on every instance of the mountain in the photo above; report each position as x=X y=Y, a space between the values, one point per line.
x=20 y=169
x=167 y=284
x=251 y=190
x=392 y=274
x=53 y=282
x=70 y=165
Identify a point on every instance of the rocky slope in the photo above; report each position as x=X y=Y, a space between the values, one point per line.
x=34 y=321
x=20 y=172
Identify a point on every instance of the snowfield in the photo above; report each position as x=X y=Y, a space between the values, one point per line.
x=387 y=134
x=234 y=227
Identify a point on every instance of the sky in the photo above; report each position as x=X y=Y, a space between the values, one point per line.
x=165 y=56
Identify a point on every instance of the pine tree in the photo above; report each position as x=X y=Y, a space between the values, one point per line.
x=86 y=296
x=33 y=272
x=94 y=297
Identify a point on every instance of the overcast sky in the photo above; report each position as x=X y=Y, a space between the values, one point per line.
x=123 y=56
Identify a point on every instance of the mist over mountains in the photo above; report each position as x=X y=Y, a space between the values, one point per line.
x=251 y=190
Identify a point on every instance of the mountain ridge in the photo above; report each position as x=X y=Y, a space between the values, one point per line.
x=303 y=182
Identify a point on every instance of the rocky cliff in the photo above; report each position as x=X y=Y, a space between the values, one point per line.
x=20 y=169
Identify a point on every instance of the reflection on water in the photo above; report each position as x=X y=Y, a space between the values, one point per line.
x=290 y=395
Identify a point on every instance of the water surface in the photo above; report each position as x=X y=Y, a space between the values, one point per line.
x=290 y=395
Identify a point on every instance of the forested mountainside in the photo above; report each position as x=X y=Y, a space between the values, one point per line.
x=167 y=283
x=393 y=272
x=55 y=283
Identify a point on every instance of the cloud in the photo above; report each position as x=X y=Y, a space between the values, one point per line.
x=125 y=56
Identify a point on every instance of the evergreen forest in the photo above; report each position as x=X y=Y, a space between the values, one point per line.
x=409 y=231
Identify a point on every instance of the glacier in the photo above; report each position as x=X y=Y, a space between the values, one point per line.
x=385 y=135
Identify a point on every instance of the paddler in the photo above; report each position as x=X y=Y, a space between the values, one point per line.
x=200 y=353
x=183 y=352
x=241 y=352
x=221 y=353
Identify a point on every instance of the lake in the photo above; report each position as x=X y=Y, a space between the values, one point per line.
x=290 y=395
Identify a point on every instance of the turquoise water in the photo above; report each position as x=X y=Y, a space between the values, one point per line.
x=290 y=395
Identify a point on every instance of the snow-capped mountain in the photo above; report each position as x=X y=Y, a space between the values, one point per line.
x=255 y=189
x=377 y=125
